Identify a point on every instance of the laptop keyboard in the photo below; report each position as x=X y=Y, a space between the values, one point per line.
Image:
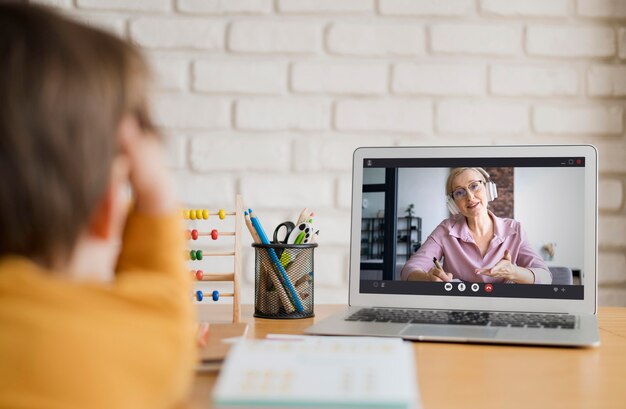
x=492 y=319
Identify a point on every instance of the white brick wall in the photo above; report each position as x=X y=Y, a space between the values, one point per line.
x=376 y=39
x=601 y=8
x=426 y=7
x=585 y=120
x=339 y=78
x=269 y=98
x=611 y=194
x=606 y=81
x=469 y=117
x=325 y=6
x=170 y=32
x=240 y=77
x=186 y=111
x=387 y=115
x=486 y=39
x=439 y=79
x=564 y=41
x=171 y=74
x=533 y=80
x=526 y=8
x=266 y=153
x=274 y=37
x=304 y=114
x=225 y=7
x=123 y=5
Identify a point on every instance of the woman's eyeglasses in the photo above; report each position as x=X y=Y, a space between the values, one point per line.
x=461 y=192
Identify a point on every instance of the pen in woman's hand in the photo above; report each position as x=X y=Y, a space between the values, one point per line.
x=440 y=274
x=437 y=263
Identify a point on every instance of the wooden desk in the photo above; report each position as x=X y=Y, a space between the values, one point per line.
x=491 y=376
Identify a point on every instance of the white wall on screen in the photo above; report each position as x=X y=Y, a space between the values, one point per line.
x=549 y=204
x=426 y=189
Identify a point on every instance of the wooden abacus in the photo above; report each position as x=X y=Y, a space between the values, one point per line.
x=199 y=254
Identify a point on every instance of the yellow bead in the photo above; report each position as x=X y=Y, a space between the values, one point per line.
x=192 y=214
x=205 y=214
x=198 y=214
x=186 y=214
x=222 y=214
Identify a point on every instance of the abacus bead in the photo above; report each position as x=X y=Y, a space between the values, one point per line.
x=192 y=254
x=205 y=214
x=199 y=214
x=187 y=255
x=199 y=275
x=192 y=214
x=199 y=295
x=199 y=254
x=214 y=234
x=194 y=234
x=222 y=214
x=216 y=295
x=186 y=214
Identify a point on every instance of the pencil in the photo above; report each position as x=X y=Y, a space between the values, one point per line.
x=304 y=216
x=255 y=236
x=262 y=279
x=280 y=271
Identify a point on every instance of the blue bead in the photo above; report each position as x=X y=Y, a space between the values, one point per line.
x=216 y=295
x=199 y=295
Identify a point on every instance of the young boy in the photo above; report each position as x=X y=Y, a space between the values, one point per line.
x=85 y=322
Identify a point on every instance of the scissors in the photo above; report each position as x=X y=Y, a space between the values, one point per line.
x=280 y=237
x=300 y=234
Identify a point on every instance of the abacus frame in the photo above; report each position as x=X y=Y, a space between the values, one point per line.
x=236 y=254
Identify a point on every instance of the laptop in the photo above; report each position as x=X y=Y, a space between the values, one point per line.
x=416 y=271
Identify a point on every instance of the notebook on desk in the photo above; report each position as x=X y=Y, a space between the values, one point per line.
x=494 y=244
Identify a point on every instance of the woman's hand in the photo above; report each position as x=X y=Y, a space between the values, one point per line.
x=434 y=274
x=508 y=271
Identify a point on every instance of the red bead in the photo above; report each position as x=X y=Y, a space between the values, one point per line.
x=194 y=234
x=199 y=275
x=214 y=234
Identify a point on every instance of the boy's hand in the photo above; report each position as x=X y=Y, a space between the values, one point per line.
x=151 y=181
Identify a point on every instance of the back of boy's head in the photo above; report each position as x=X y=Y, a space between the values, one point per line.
x=64 y=89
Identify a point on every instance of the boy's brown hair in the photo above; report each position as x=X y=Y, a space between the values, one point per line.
x=64 y=89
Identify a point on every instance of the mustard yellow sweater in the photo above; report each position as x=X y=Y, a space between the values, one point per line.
x=128 y=344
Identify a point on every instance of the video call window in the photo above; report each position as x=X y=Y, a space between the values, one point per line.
x=536 y=212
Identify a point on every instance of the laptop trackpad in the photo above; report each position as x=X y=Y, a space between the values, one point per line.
x=447 y=332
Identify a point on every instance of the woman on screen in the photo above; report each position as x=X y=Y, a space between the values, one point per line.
x=475 y=244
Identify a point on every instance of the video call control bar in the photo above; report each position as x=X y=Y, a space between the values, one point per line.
x=466 y=289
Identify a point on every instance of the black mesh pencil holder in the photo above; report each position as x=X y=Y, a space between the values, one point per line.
x=283 y=280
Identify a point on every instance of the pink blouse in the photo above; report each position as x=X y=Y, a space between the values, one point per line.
x=461 y=256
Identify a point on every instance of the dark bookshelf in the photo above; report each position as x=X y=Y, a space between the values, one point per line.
x=408 y=237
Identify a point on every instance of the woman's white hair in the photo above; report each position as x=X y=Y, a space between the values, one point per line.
x=457 y=171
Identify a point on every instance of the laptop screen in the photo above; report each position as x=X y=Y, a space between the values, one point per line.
x=505 y=227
